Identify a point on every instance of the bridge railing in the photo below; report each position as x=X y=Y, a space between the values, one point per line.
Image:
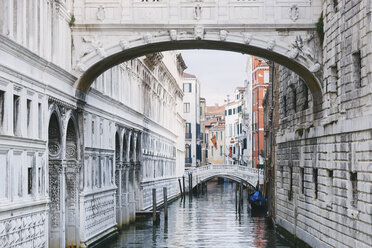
x=210 y=167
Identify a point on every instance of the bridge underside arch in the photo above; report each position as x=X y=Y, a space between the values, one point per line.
x=95 y=63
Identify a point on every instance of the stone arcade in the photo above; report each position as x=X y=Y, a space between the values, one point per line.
x=87 y=128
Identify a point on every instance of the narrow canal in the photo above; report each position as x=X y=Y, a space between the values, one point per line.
x=207 y=220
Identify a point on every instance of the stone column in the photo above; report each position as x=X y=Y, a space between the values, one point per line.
x=125 y=195
x=119 y=192
x=72 y=177
x=56 y=205
x=133 y=161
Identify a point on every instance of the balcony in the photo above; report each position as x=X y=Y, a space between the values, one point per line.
x=188 y=160
x=188 y=135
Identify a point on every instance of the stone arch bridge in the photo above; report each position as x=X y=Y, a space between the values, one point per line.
x=236 y=173
x=107 y=34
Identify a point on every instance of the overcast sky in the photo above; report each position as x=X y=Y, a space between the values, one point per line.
x=219 y=72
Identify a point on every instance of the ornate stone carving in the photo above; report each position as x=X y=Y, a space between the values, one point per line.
x=223 y=35
x=270 y=45
x=315 y=68
x=293 y=12
x=124 y=44
x=199 y=32
x=147 y=38
x=54 y=148
x=299 y=47
x=81 y=67
x=101 y=14
x=99 y=213
x=173 y=34
x=21 y=231
x=247 y=38
x=197 y=12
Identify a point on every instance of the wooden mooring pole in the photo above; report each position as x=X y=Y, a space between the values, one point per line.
x=179 y=183
x=184 y=187
x=154 y=205
x=165 y=197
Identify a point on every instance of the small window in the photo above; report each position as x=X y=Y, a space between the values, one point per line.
x=290 y=192
x=29 y=116
x=187 y=87
x=234 y=111
x=29 y=180
x=315 y=178
x=186 y=107
x=2 y=102
x=357 y=69
x=221 y=151
x=16 y=104
x=354 y=187
x=302 y=180
x=230 y=112
x=40 y=121
x=225 y=112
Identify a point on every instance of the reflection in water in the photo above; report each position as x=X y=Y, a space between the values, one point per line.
x=207 y=220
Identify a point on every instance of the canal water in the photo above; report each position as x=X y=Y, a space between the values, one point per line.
x=206 y=220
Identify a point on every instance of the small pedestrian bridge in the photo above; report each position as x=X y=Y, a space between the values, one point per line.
x=238 y=173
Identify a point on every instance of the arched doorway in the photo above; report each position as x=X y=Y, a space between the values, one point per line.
x=72 y=186
x=56 y=221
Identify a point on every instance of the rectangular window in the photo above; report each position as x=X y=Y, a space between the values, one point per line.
x=2 y=102
x=225 y=112
x=212 y=151
x=29 y=182
x=186 y=107
x=188 y=130
x=230 y=112
x=315 y=178
x=240 y=125
x=39 y=180
x=221 y=135
x=16 y=104
x=221 y=151
x=187 y=87
x=357 y=69
x=266 y=77
x=234 y=111
x=354 y=188
x=40 y=120
x=239 y=109
x=29 y=116
x=302 y=180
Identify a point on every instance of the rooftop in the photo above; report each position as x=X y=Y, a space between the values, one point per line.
x=188 y=75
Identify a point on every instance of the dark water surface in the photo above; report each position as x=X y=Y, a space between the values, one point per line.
x=207 y=220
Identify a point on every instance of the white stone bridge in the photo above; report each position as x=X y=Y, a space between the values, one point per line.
x=241 y=174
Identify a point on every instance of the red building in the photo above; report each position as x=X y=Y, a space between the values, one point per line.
x=260 y=82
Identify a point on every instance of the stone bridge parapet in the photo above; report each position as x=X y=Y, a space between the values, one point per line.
x=237 y=173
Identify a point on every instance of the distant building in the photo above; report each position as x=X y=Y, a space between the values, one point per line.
x=191 y=113
x=203 y=142
x=234 y=127
x=214 y=126
x=260 y=82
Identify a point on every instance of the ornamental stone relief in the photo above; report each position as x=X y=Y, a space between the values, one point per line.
x=293 y=12
x=24 y=231
x=54 y=148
